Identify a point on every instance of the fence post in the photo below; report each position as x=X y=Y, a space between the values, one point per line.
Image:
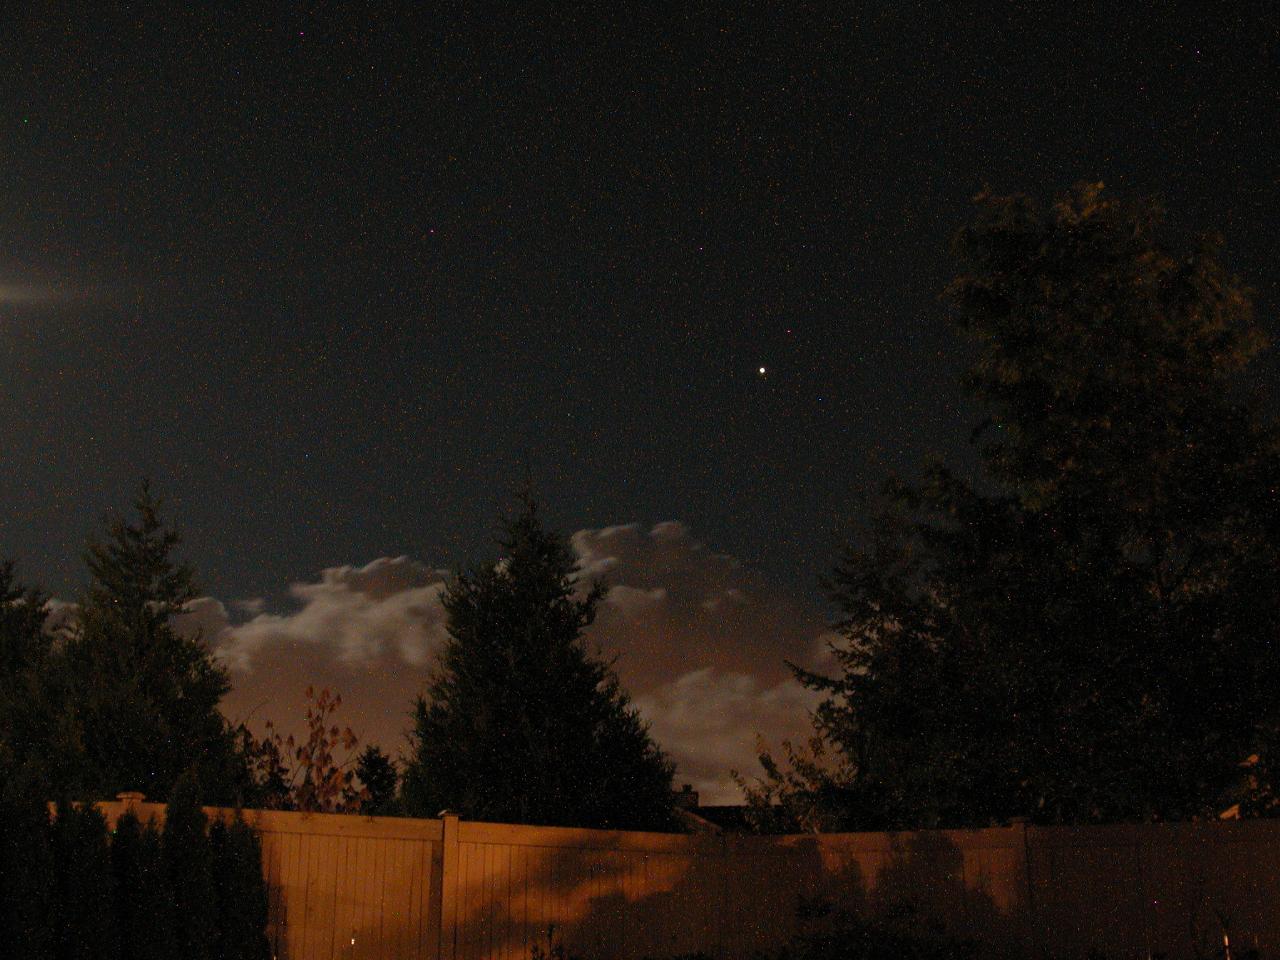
x=726 y=897
x=449 y=889
x=1034 y=934
x=131 y=798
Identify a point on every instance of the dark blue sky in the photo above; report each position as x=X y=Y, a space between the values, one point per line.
x=330 y=281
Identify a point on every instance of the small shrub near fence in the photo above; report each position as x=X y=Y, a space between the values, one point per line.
x=70 y=889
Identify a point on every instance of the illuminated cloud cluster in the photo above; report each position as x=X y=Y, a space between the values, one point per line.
x=59 y=615
x=712 y=722
x=388 y=609
x=699 y=641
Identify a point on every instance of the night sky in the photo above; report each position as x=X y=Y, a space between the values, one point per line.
x=331 y=280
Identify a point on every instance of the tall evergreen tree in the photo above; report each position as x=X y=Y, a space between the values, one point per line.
x=521 y=722
x=378 y=776
x=144 y=698
x=23 y=641
x=1085 y=630
x=25 y=722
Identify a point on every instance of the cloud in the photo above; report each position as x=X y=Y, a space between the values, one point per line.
x=367 y=632
x=673 y=601
x=635 y=604
x=698 y=640
x=387 y=608
x=204 y=616
x=250 y=607
x=60 y=614
x=712 y=722
x=701 y=643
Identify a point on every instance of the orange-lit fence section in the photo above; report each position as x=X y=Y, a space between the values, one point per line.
x=355 y=888
x=392 y=889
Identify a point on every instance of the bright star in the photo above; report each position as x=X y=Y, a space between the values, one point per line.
x=762 y=371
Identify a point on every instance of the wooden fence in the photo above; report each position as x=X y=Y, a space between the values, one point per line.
x=399 y=889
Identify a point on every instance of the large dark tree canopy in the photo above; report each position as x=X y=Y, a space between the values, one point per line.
x=1087 y=628
x=23 y=641
x=141 y=697
x=24 y=650
x=1108 y=349
x=521 y=722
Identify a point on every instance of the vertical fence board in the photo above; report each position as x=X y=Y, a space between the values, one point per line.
x=363 y=890
x=419 y=867
x=430 y=902
x=346 y=914
x=301 y=929
x=401 y=910
x=380 y=905
x=405 y=887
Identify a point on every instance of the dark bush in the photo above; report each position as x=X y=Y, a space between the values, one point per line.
x=888 y=937
x=188 y=869
x=240 y=892
x=84 y=907
x=26 y=871
x=144 y=908
x=71 y=890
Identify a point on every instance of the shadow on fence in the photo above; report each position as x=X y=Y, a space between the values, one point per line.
x=358 y=887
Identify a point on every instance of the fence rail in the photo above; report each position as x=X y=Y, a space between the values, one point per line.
x=347 y=887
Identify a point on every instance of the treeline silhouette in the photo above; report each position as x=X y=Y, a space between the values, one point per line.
x=69 y=887
x=520 y=721
x=1079 y=629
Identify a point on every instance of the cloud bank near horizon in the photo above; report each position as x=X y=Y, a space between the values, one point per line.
x=698 y=640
